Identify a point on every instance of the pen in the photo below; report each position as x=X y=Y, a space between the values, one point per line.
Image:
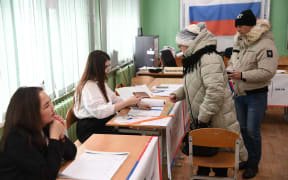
x=159 y=91
x=161 y=87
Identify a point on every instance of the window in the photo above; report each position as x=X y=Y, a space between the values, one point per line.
x=121 y=19
x=42 y=45
x=47 y=41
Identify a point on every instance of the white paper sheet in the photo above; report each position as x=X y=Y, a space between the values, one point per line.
x=95 y=165
x=129 y=119
x=165 y=89
x=154 y=102
x=154 y=111
x=127 y=92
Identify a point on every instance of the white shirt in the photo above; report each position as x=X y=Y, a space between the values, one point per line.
x=93 y=103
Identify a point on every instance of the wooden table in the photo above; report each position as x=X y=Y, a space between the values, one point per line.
x=135 y=145
x=175 y=124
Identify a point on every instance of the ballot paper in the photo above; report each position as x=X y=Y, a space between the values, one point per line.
x=131 y=119
x=154 y=102
x=154 y=111
x=95 y=165
x=165 y=89
x=127 y=92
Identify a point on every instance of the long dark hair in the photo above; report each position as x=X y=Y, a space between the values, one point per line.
x=95 y=71
x=190 y=63
x=23 y=115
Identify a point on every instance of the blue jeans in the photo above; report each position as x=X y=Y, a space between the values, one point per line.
x=250 y=112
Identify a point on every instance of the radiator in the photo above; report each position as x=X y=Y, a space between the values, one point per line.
x=125 y=74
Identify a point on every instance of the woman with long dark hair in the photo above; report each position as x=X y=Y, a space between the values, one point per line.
x=95 y=103
x=33 y=142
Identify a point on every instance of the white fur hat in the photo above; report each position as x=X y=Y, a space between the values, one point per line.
x=186 y=36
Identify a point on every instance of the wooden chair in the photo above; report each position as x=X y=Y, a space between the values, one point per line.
x=70 y=120
x=141 y=80
x=214 y=137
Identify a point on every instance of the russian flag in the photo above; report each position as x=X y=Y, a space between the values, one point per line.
x=220 y=15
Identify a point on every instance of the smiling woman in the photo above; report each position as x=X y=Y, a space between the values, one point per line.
x=33 y=143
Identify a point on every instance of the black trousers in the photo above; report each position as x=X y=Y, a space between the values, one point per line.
x=88 y=126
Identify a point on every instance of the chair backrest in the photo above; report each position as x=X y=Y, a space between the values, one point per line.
x=214 y=137
x=70 y=118
x=141 y=80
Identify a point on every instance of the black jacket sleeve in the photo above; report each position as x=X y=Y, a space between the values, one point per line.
x=35 y=163
x=70 y=150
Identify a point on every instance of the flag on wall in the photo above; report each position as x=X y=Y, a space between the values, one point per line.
x=219 y=15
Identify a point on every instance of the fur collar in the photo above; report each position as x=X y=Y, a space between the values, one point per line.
x=261 y=27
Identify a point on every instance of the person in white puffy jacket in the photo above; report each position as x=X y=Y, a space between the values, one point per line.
x=252 y=65
x=206 y=87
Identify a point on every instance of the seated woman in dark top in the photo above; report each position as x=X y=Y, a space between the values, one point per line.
x=33 y=142
x=95 y=102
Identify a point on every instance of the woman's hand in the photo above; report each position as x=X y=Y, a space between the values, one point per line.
x=57 y=129
x=133 y=100
x=144 y=106
x=60 y=119
x=172 y=98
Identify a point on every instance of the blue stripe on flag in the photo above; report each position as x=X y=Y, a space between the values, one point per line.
x=222 y=11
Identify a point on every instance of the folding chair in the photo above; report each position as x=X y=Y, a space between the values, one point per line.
x=214 y=137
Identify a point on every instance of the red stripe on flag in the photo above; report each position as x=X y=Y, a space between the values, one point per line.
x=220 y=28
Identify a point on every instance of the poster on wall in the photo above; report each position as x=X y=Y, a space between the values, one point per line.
x=219 y=16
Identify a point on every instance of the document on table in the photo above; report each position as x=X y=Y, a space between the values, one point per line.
x=95 y=165
x=157 y=122
x=127 y=92
x=165 y=89
x=154 y=111
x=154 y=102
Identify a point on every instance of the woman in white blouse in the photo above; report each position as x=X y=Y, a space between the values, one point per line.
x=95 y=103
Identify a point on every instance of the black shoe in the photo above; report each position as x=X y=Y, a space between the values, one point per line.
x=243 y=165
x=250 y=172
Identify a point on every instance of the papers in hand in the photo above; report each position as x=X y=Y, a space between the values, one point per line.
x=95 y=165
x=156 y=110
x=154 y=102
x=165 y=89
x=127 y=92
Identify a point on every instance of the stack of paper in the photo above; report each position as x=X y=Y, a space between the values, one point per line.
x=154 y=111
x=127 y=92
x=95 y=165
x=154 y=102
x=165 y=89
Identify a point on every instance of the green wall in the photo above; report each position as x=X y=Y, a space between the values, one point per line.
x=279 y=22
x=162 y=17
